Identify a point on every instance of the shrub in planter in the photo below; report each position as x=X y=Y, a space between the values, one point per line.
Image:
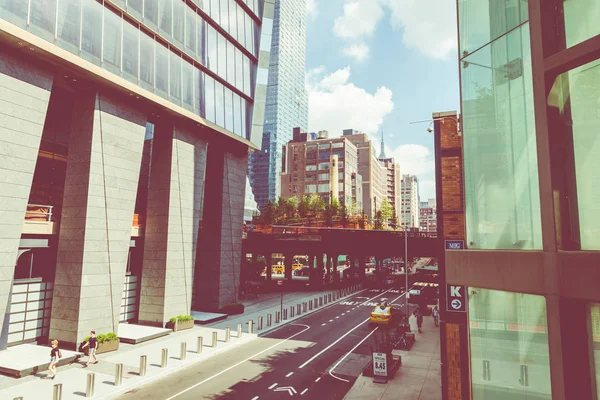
x=183 y=322
x=232 y=309
x=106 y=342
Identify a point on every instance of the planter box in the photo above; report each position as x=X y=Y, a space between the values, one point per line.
x=180 y=325
x=103 y=347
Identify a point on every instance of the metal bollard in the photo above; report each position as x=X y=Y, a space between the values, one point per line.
x=316 y=301
x=89 y=387
x=310 y=305
x=239 y=331
x=269 y=319
x=304 y=307
x=292 y=309
x=277 y=316
x=183 y=351
x=285 y=313
x=199 y=344
x=260 y=323
x=118 y=374
x=143 y=364
x=227 y=334
x=320 y=301
x=487 y=376
x=298 y=308
x=250 y=327
x=57 y=392
x=214 y=339
x=329 y=297
x=524 y=380
x=164 y=358
x=324 y=299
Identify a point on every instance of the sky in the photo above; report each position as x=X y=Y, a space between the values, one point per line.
x=376 y=65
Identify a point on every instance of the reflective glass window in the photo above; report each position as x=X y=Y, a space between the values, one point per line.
x=244 y=132
x=219 y=105
x=246 y=74
x=228 y=109
x=199 y=105
x=214 y=11
x=175 y=72
x=69 y=16
x=500 y=152
x=162 y=70
x=151 y=14
x=581 y=20
x=187 y=84
x=111 y=59
x=131 y=51
x=311 y=188
x=323 y=187
x=237 y=114
x=239 y=69
x=249 y=25
x=14 y=11
x=222 y=55
x=224 y=17
x=230 y=62
x=508 y=337
x=165 y=18
x=91 y=38
x=324 y=177
x=135 y=8
x=146 y=61
x=201 y=31
x=233 y=18
x=209 y=97
x=212 y=48
x=179 y=22
x=324 y=166
x=482 y=21
x=42 y=18
x=576 y=95
x=241 y=37
x=190 y=32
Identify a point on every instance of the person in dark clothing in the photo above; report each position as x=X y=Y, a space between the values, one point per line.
x=93 y=344
x=419 y=316
x=55 y=355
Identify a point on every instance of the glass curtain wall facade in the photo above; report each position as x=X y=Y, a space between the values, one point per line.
x=201 y=56
x=530 y=90
x=287 y=99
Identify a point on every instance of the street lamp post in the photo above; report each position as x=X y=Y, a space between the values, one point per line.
x=406 y=272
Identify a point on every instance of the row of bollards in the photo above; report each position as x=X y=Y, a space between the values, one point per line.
x=279 y=317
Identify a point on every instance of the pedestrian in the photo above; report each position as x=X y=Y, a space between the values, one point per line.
x=93 y=345
x=419 y=316
x=436 y=315
x=55 y=355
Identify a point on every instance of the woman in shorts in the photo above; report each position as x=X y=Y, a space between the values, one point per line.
x=55 y=355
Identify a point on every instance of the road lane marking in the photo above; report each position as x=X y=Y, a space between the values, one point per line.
x=324 y=324
x=241 y=362
x=304 y=391
x=347 y=354
x=255 y=398
x=340 y=338
x=272 y=386
x=318 y=379
x=337 y=317
x=290 y=374
x=343 y=313
x=330 y=320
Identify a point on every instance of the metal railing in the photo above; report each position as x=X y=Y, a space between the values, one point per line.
x=39 y=213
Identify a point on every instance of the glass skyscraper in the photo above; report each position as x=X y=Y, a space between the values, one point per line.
x=287 y=100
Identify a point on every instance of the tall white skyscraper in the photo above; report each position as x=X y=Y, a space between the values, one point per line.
x=410 y=201
x=287 y=99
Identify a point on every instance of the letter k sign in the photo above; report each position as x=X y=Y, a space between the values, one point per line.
x=455 y=291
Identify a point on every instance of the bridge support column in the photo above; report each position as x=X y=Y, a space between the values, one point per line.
x=362 y=268
x=289 y=258
x=336 y=274
x=320 y=269
x=311 y=271
x=269 y=261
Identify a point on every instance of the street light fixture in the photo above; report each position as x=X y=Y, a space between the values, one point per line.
x=431 y=121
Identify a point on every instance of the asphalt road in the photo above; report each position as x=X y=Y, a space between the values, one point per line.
x=316 y=356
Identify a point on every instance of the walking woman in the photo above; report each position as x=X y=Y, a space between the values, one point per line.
x=55 y=355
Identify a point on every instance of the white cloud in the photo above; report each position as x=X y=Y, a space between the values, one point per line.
x=415 y=159
x=426 y=189
x=311 y=8
x=429 y=26
x=335 y=103
x=359 y=20
x=357 y=51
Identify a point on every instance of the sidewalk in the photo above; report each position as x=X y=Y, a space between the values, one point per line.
x=419 y=376
x=73 y=377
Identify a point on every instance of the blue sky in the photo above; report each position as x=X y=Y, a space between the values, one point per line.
x=374 y=64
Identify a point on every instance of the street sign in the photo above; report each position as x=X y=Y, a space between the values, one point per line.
x=279 y=283
x=380 y=364
x=456 y=298
x=454 y=244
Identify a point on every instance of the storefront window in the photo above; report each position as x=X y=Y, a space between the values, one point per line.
x=508 y=338
x=500 y=154
x=575 y=94
x=581 y=20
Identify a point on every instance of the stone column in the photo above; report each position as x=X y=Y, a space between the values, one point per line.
x=218 y=265
x=175 y=200
x=24 y=102
x=103 y=166
x=289 y=258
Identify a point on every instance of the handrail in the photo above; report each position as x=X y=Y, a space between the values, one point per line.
x=39 y=212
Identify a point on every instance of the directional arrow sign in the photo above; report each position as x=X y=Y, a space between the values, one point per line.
x=288 y=389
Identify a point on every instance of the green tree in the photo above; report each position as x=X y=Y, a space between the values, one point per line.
x=269 y=213
x=291 y=207
x=387 y=211
x=344 y=216
x=316 y=203
x=335 y=205
x=379 y=220
x=304 y=206
x=329 y=214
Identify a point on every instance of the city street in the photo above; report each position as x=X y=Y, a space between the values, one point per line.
x=317 y=355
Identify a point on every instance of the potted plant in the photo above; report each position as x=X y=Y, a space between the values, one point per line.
x=232 y=309
x=106 y=342
x=181 y=322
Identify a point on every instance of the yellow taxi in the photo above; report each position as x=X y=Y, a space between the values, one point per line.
x=382 y=314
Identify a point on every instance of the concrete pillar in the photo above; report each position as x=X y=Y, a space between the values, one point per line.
x=362 y=267
x=289 y=258
x=219 y=262
x=24 y=102
x=320 y=268
x=269 y=261
x=175 y=201
x=312 y=275
x=103 y=166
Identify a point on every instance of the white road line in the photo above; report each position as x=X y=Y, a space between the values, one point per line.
x=255 y=398
x=330 y=320
x=272 y=386
x=343 y=313
x=318 y=379
x=324 y=324
x=337 y=317
x=290 y=374
x=347 y=354
x=304 y=391
x=240 y=363
x=340 y=338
